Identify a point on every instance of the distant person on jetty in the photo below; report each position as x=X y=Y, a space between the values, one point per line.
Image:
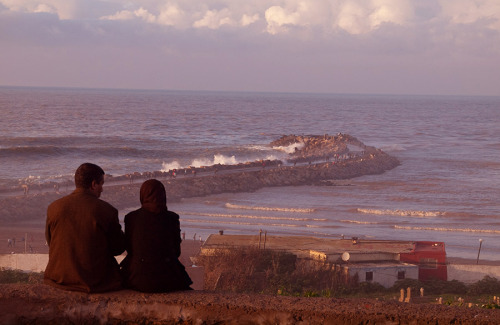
x=153 y=243
x=84 y=235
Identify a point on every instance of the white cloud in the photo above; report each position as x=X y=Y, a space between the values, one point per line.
x=299 y=14
x=45 y=8
x=472 y=11
x=358 y=17
x=145 y=15
x=140 y=13
x=390 y=11
x=313 y=42
x=352 y=18
x=248 y=20
x=121 y=15
x=277 y=18
x=172 y=15
x=65 y=9
x=214 y=19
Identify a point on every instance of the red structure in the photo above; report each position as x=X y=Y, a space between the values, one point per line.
x=430 y=258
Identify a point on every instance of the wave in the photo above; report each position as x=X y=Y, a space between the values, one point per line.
x=290 y=148
x=26 y=151
x=359 y=222
x=488 y=231
x=216 y=160
x=246 y=207
x=403 y=213
x=244 y=216
x=392 y=147
x=196 y=221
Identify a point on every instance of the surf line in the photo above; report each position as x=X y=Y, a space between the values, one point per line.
x=403 y=213
x=246 y=207
x=244 y=216
x=489 y=231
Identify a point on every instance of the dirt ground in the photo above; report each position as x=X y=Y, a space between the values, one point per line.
x=41 y=304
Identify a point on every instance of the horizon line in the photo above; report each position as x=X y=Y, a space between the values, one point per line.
x=247 y=91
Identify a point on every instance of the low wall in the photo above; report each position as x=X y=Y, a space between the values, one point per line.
x=38 y=262
x=466 y=273
x=24 y=262
x=472 y=273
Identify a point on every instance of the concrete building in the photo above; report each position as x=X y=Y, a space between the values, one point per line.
x=382 y=261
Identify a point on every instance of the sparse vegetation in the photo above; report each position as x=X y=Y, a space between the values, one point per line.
x=282 y=273
x=16 y=276
x=254 y=270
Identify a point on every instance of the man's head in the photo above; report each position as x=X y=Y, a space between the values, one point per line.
x=91 y=177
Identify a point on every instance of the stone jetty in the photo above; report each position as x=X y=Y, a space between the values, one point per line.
x=317 y=160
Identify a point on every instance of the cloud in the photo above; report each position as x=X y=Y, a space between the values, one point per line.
x=360 y=17
x=308 y=45
x=172 y=15
x=472 y=11
x=214 y=19
x=140 y=13
x=248 y=20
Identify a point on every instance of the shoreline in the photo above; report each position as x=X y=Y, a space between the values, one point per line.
x=189 y=247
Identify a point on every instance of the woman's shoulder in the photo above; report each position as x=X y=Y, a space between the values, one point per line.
x=172 y=214
x=133 y=214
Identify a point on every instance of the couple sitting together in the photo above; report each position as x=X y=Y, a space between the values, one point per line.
x=84 y=234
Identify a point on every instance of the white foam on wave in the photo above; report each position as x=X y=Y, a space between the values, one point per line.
x=359 y=222
x=165 y=167
x=244 y=216
x=392 y=147
x=290 y=148
x=403 y=213
x=489 y=231
x=246 y=207
x=197 y=221
x=199 y=162
x=217 y=159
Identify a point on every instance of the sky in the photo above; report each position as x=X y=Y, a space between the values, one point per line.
x=443 y=47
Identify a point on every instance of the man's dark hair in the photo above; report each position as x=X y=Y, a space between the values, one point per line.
x=87 y=173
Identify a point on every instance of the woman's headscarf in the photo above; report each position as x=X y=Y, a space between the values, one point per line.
x=153 y=196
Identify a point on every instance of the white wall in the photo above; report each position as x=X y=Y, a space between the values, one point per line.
x=472 y=273
x=385 y=275
x=38 y=262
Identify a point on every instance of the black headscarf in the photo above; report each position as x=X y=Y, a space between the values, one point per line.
x=153 y=196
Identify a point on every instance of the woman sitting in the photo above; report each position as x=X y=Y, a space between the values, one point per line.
x=153 y=244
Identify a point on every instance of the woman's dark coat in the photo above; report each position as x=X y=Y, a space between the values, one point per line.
x=153 y=245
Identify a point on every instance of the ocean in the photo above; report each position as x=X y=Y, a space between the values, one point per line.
x=446 y=188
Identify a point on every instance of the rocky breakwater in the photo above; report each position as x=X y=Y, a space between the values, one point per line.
x=316 y=159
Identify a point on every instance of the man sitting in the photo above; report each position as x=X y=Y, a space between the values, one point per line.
x=84 y=235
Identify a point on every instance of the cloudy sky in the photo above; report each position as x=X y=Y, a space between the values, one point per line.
x=332 y=46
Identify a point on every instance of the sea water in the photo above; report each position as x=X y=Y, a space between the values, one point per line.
x=446 y=188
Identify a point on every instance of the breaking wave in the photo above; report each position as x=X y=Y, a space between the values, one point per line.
x=359 y=222
x=199 y=162
x=244 y=216
x=489 y=231
x=246 y=207
x=217 y=159
x=290 y=148
x=403 y=213
x=196 y=221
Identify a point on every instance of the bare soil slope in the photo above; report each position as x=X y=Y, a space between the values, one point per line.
x=41 y=304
